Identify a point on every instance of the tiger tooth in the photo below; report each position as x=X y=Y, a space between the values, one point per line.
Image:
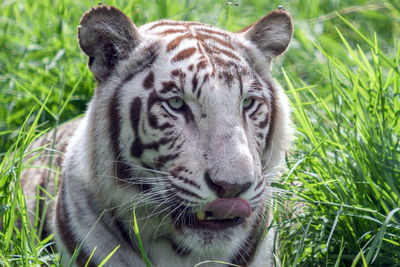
x=201 y=215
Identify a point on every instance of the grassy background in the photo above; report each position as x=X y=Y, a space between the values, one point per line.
x=343 y=80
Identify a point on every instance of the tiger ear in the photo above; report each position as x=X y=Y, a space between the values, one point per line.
x=271 y=34
x=106 y=35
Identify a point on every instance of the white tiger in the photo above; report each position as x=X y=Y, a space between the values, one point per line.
x=186 y=128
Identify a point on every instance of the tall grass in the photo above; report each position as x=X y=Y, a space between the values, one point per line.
x=348 y=160
x=342 y=78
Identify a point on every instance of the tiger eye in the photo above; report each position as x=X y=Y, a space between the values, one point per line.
x=247 y=102
x=175 y=103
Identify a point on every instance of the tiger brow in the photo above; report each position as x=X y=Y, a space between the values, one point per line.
x=255 y=86
x=171 y=87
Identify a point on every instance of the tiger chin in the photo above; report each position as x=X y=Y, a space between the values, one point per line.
x=186 y=131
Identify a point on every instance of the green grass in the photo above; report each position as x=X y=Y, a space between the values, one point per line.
x=342 y=78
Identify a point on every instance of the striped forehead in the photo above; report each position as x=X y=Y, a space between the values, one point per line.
x=210 y=54
x=184 y=39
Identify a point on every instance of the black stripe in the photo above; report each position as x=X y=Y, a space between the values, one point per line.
x=122 y=169
x=194 y=82
x=163 y=159
x=67 y=236
x=255 y=110
x=245 y=256
x=117 y=228
x=114 y=117
x=134 y=115
x=266 y=121
x=184 y=191
x=259 y=194
x=169 y=86
x=187 y=181
x=273 y=109
x=152 y=118
x=184 y=54
x=181 y=252
x=175 y=173
x=114 y=120
x=148 y=82
x=176 y=42
x=206 y=30
x=205 y=79
x=202 y=37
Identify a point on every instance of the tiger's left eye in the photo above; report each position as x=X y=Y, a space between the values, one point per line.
x=175 y=103
x=247 y=102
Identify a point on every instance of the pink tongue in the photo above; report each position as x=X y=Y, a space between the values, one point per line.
x=229 y=207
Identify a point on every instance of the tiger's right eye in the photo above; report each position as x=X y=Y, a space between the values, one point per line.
x=175 y=103
x=248 y=102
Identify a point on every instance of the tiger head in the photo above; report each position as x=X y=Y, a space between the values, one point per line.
x=187 y=125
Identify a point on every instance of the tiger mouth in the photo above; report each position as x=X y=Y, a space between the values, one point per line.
x=206 y=220
x=219 y=214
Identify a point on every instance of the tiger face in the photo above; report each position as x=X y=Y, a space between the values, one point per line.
x=187 y=127
x=205 y=127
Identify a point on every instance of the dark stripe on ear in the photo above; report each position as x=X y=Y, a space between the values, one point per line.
x=90 y=61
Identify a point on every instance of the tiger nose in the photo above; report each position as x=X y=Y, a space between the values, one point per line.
x=225 y=189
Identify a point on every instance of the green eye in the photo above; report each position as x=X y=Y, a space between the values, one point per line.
x=247 y=102
x=175 y=103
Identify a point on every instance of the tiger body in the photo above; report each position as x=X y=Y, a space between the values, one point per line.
x=186 y=129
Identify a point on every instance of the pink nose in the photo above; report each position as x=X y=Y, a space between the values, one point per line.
x=229 y=207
